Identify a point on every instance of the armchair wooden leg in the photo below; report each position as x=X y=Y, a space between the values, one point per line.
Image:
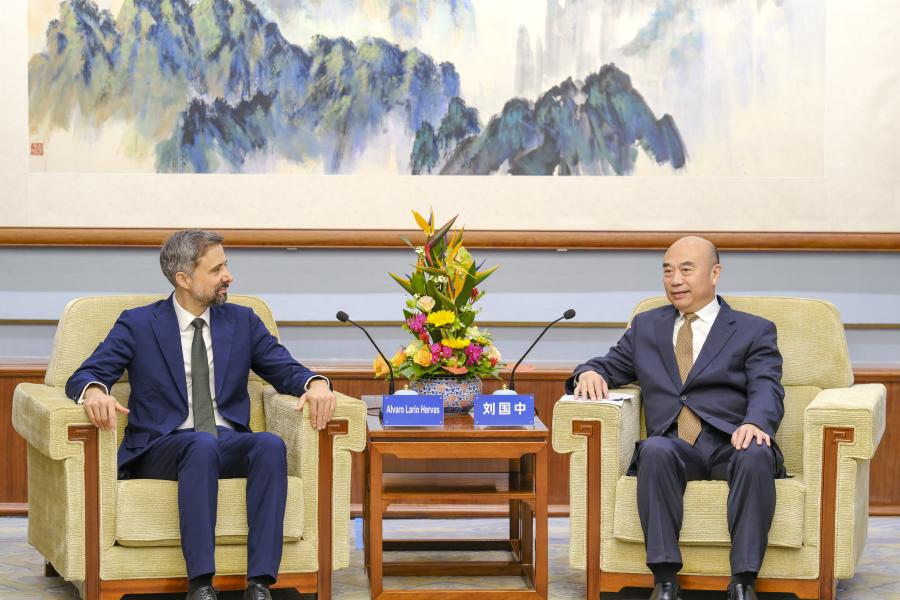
x=88 y=436
x=832 y=438
x=592 y=431
x=326 y=503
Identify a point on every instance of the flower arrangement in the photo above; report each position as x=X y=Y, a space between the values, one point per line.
x=440 y=312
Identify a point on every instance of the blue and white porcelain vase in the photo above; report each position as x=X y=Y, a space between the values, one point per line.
x=458 y=392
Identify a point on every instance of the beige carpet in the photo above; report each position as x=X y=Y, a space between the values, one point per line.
x=878 y=576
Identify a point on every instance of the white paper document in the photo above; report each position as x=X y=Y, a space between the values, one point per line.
x=616 y=398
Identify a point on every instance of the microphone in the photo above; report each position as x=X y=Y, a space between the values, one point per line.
x=345 y=318
x=512 y=376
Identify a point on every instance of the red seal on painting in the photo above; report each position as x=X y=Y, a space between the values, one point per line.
x=37 y=148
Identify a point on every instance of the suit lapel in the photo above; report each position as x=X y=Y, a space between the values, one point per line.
x=222 y=331
x=165 y=328
x=664 y=331
x=722 y=330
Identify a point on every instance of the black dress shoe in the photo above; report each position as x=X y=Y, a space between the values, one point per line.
x=666 y=591
x=207 y=592
x=741 y=591
x=257 y=591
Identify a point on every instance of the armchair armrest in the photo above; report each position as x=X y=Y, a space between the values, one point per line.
x=842 y=429
x=42 y=415
x=860 y=407
x=302 y=442
x=620 y=429
x=58 y=499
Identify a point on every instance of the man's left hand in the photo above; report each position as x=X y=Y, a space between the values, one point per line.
x=321 y=402
x=744 y=435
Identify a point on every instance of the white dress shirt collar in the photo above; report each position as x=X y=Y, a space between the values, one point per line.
x=185 y=318
x=708 y=313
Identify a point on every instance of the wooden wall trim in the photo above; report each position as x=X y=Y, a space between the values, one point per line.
x=390 y=238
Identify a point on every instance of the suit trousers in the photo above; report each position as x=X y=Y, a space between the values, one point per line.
x=197 y=461
x=664 y=466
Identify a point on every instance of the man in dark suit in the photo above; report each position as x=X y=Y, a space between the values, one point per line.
x=710 y=379
x=188 y=359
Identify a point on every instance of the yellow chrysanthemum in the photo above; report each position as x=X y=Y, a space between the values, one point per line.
x=456 y=343
x=439 y=318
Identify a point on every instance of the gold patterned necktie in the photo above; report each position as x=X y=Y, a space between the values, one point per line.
x=689 y=424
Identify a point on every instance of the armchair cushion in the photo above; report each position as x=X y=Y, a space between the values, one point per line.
x=705 y=521
x=147 y=512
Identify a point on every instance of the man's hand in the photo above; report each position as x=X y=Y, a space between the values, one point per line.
x=591 y=386
x=101 y=408
x=743 y=436
x=321 y=402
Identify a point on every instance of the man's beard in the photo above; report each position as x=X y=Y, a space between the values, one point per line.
x=216 y=299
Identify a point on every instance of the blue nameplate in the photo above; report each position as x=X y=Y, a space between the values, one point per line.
x=412 y=410
x=504 y=409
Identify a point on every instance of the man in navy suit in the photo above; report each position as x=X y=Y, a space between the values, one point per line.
x=710 y=378
x=188 y=358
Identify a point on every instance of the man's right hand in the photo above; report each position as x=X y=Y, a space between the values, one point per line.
x=592 y=386
x=101 y=408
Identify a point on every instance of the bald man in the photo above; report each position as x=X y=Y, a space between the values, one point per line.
x=710 y=379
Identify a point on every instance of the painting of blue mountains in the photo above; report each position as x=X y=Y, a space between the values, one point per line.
x=405 y=87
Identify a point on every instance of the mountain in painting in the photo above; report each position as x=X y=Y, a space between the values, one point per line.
x=210 y=84
x=594 y=128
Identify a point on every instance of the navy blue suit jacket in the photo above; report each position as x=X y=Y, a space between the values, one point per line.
x=736 y=378
x=147 y=342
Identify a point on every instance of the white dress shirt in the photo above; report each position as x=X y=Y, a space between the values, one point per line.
x=700 y=327
x=187 y=340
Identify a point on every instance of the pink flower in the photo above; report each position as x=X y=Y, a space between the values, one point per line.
x=416 y=323
x=474 y=293
x=473 y=353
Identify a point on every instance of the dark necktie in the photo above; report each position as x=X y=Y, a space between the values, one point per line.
x=689 y=424
x=204 y=420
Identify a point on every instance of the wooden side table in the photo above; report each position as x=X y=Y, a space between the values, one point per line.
x=523 y=486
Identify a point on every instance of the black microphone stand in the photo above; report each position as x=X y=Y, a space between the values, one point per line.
x=344 y=318
x=512 y=376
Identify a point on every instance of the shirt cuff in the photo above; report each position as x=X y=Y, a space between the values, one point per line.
x=313 y=378
x=80 y=399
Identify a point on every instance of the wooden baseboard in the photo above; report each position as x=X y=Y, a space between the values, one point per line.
x=885 y=510
x=14 y=509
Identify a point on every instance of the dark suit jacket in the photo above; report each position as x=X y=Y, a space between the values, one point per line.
x=736 y=379
x=147 y=342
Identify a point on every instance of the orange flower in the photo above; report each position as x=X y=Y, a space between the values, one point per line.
x=398 y=358
x=423 y=357
x=380 y=367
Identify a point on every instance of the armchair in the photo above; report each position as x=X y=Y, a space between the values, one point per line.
x=830 y=431
x=113 y=537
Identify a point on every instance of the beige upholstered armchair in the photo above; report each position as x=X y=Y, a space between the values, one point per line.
x=829 y=434
x=114 y=537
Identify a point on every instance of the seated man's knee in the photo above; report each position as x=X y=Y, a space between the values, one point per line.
x=269 y=447
x=755 y=458
x=657 y=449
x=201 y=446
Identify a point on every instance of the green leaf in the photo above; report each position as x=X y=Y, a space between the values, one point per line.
x=417 y=282
x=463 y=297
x=446 y=301
x=404 y=283
x=407 y=242
x=481 y=276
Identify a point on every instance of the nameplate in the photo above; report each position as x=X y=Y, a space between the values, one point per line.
x=511 y=410
x=412 y=410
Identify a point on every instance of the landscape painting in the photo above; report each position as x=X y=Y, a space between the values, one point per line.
x=730 y=88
